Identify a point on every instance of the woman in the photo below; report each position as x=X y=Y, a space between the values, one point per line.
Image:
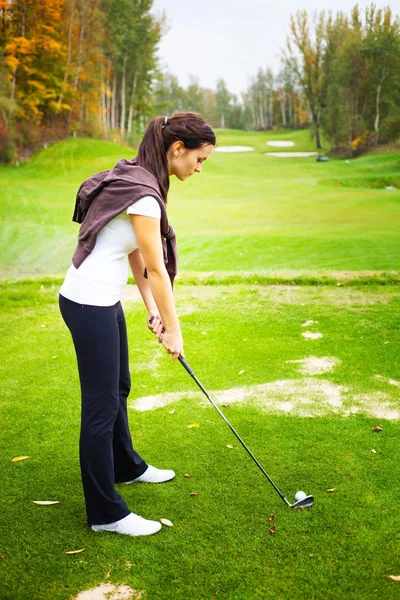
x=124 y=219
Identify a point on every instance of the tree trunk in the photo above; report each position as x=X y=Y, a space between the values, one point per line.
x=253 y=110
x=271 y=108
x=102 y=107
x=69 y=52
x=317 y=134
x=131 y=105
x=282 y=101
x=377 y=113
x=78 y=66
x=123 y=99
x=107 y=102
x=261 y=111
x=114 y=101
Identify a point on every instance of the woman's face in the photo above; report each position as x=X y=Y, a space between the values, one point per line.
x=183 y=162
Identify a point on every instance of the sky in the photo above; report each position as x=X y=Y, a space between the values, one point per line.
x=232 y=39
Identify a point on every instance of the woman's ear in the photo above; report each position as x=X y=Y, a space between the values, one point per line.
x=177 y=148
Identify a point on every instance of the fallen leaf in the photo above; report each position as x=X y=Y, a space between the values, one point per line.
x=193 y=493
x=193 y=425
x=394 y=577
x=18 y=458
x=75 y=551
x=186 y=476
x=229 y=446
x=374 y=451
x=331 y=490
x=226 y=404
x=2 y=556
x=272 y=530
x=166 y=522
x=171 y=412
x=271 y=517
x=377 y=428
x=241 y=372
x=45 y=502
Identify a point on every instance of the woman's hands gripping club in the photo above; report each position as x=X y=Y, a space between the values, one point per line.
x=171 y=340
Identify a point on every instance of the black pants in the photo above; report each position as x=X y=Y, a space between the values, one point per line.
x=106 y=452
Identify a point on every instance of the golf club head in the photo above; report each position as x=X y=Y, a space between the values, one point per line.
x=304 y=503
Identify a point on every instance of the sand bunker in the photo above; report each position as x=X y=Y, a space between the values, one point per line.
x=279 y=144
x=303 y=397
x=107 y=591
x=316 y=366
x=234 y=149
x=291 y=154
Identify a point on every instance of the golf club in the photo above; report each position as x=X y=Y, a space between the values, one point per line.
x=303 y=502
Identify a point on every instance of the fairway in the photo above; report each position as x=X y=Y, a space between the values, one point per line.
x=289 y=299
x=246 y=212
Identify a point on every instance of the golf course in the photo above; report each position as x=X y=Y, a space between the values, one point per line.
x=288 y=293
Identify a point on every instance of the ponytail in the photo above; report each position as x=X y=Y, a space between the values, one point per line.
x=189 y=128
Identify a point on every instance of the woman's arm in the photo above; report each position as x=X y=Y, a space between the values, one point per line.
x=137 y=266
x=147 y=231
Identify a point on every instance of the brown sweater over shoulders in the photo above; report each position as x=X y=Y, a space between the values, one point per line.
x=105 y=195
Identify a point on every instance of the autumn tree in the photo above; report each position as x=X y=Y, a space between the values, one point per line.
x=304 y=56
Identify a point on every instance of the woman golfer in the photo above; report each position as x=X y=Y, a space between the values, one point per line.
x=124 y=219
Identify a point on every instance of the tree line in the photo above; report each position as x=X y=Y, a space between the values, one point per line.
x=90 y=67
x=75 y=66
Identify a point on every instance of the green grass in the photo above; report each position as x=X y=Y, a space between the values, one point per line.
x=265 y=244
x=220 y=546
x=246 y=212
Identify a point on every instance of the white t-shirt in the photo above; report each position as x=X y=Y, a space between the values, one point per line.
x=102 y=277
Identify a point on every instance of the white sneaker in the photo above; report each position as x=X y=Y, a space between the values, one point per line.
x=153 y=475
x=130 y=525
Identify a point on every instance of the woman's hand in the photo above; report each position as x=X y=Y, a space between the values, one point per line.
x=173 y=343
x=154 y=323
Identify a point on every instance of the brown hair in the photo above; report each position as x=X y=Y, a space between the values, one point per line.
x=188 y=127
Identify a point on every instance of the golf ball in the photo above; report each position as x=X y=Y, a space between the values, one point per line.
x=300 y=496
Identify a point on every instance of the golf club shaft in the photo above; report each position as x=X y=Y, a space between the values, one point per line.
x=189 y=370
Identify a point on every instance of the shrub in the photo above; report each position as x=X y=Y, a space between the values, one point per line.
x=390 y=129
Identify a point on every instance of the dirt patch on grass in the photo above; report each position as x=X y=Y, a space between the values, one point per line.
x=376 y=404
x=293 y=294
x=107 y=591
x=312 y=335
x=316 y=366
x=387 y=380
x=303 y=397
